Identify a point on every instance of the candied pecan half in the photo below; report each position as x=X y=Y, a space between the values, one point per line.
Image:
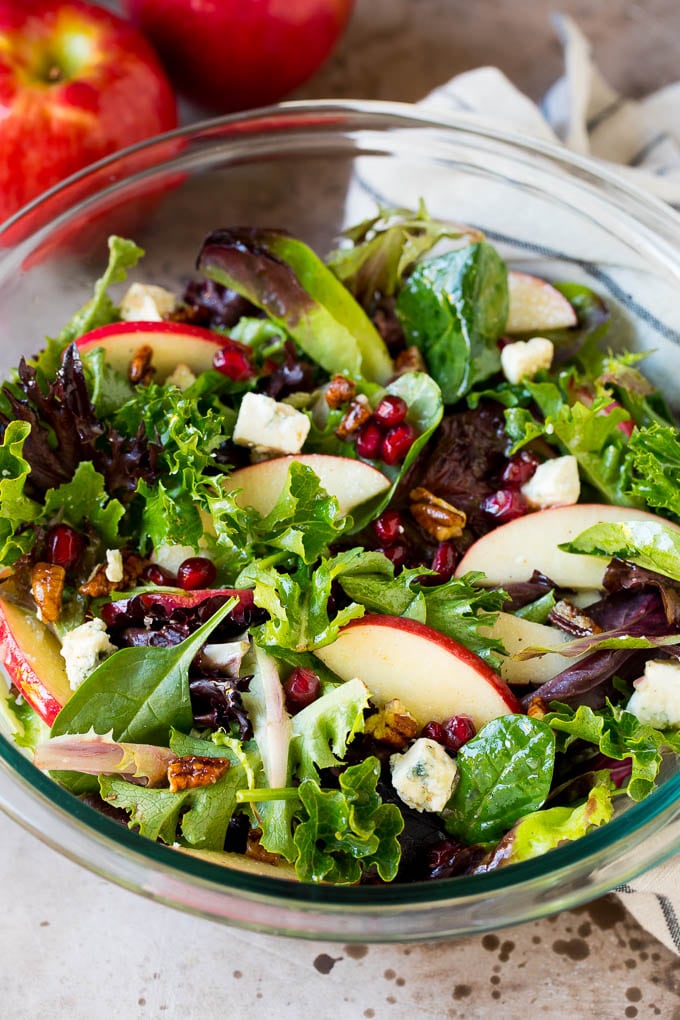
x=537 y=707
x=435 y=516
x=392 y=725
x=255 y=849
x=357 y=414
x=195 y=770
x=47 y=587
x=340 y=390
x=141 y=370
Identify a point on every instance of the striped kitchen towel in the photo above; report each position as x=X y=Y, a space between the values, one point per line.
x=641 y=140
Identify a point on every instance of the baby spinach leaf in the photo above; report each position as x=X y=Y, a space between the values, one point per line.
x=504 y=773
x=344 y=833
x=138 y=694
x=454 y=308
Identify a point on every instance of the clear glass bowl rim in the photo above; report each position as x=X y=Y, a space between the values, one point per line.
x=602 y=844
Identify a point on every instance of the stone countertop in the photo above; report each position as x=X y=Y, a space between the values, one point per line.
x=76 y=946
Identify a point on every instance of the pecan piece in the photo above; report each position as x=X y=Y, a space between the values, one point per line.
x=537 y=707
x=340 y=390
x=255 y=849
x=98 y=583
x=409 y=360
x=392 y=725
x=357 y=414
x=435 y=516
x=47 y=588
x=141 y=370
x=195 y=770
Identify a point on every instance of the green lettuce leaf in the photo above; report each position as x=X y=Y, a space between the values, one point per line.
x=344 y=833
x=322 y=730
x=108 y=388
x=654 y=452
x=549 y=828
x=385 y=247
x=650 y=544
x=617 y=734
x=454 y=308
x=504 y=772
x=84 y=500
x=305 y=519
x=24 y=723
x=100 y=309
x=16 y=508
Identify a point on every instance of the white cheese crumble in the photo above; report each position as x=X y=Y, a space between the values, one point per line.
x=225 y=656
x=265 y=422
x=114 y=566
x=555 y=483
x=83 y=648
x=182 y=377
x=170 y=557
x=145 y=302
x=656 y=698
x=525 y=358
x=424 y=776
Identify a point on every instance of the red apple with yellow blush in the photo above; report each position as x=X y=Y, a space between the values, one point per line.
x=76 y=83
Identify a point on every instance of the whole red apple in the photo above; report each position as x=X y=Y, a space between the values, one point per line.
x=235 y=54
x=76 y=83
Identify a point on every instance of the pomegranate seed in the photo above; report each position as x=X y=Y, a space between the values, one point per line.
x=369 y=441
x=457 y=731
x=506 y=505
x=64 y=546
x=235 y=360
x=156 y=575
x=389 y=527
x=445 y=560
x=390 y=411
x=397 y=443
x=433 y=731
x=301 y=688
x=196 y=572
x=396 y=554
x=519 y=469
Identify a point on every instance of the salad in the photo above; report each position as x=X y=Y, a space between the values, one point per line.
x=360 y=569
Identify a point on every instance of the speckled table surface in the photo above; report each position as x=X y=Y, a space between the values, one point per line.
x=75 y=946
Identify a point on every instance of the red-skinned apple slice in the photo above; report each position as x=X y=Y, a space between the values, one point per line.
x=351 y=481
x=172 y=343
x=535 y=305
x=31 y=656
x=514 y=550
x=433 y=676
x=170 y=600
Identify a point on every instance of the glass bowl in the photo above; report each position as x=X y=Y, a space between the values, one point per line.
x=314 y=168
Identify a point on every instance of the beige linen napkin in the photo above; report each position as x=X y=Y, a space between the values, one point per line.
x=641 y=140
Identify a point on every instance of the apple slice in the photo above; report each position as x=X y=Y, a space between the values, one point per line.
x=172 y=343
x=535 y=305
x=32 y=658
x=518 y=634
x=351 y=481
x=171 y=600
x=433 y=676
x=243 y=862
x=514 y=550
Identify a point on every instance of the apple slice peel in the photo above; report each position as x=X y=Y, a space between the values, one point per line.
x=536 y=305
x=432 y=675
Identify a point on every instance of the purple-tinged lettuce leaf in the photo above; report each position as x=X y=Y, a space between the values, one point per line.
x=99 y=754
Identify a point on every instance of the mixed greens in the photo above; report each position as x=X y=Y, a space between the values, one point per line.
x=258 y=598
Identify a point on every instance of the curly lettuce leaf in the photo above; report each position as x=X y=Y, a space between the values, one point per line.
x=84 y=500
x=322 y=730
x=101 y=309
x=652 y=545
x=16 y=508
x=617 y=734
x=345 y=833
x=385 y=247
x=504 y=772
x=654 y=453
x=24 y=723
